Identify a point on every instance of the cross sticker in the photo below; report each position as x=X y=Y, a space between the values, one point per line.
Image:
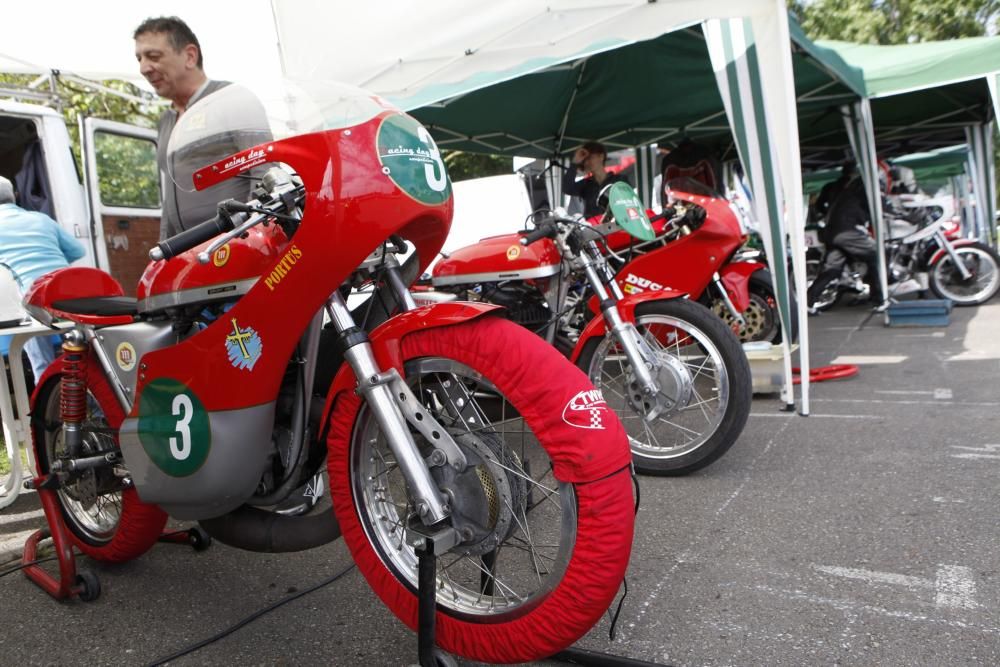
x=240 y=338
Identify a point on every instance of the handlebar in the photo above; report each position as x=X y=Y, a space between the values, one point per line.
x=189 y=238
x=545 y=229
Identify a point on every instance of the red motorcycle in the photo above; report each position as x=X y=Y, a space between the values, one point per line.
x=673 y=372
x=696 y=252
x=219 y=390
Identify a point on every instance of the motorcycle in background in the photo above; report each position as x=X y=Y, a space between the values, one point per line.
x=922 y=253
x=674 y=373
x=220 y=389
x=697 y=251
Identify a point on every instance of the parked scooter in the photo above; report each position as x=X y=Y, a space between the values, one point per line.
x=674 y=373
x=447 y=425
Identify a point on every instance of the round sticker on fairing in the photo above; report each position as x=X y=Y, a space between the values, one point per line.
x=411 y=159
x=173 y=427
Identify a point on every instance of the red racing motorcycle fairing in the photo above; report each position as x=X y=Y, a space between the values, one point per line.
x=231 y=371
x=597 y=327
x=736 y=279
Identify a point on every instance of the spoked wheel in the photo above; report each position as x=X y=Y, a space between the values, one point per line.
x=539 y=559
x=106 y=519
x=984 y=280
x=704 y=377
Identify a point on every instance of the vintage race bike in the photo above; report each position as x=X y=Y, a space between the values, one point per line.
x=675 y=374
x=924 y=251
x=220 y=388
x=697 y=250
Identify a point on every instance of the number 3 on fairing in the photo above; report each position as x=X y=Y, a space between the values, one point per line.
x=436 y=183
x=182 y=406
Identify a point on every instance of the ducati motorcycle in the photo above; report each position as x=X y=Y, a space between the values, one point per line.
x=675 y=374
x=697 y=251
x=239 y=369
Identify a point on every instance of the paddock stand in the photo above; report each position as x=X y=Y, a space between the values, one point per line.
x=83 y=583
x=430 y=656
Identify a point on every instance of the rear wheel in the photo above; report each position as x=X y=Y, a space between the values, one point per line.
x=105 y=517
x=541 y=558
x=705 y=373
x=983 y=282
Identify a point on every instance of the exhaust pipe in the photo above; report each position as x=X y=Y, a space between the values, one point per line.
x=253 y=529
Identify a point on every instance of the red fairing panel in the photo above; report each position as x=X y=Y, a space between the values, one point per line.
x=596 y=459
x=140 y=524
x=351 y=207
x=736 y=279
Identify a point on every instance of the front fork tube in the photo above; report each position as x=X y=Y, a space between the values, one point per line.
x=950 y=249
x=374 y=386
x=638 y=353
x=719 y=285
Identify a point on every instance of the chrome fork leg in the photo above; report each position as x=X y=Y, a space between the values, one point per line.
x=374 y=385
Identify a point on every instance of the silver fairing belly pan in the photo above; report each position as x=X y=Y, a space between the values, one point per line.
x=239 y=451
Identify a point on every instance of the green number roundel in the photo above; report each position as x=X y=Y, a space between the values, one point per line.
x=173 y=427
x=411 y=159
x=629 y=212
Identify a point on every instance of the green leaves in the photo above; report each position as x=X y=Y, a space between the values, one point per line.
x=894 y=21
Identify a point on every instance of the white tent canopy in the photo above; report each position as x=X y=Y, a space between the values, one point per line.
x=445 y=51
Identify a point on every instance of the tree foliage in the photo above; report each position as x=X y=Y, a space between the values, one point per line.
x=462 y=165
x=894 y=21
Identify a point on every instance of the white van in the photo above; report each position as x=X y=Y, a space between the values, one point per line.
x=111 y=203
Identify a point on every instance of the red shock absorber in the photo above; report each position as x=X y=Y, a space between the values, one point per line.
x=73 y=394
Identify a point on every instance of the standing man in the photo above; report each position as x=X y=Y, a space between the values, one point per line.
x=170 y=59
x=33 y=244
x=588 y=158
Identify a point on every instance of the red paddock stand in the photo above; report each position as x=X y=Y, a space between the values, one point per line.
x=823 y=373
x=72 y=582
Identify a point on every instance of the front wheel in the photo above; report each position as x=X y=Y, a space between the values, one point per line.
x=540 y=558
x=983 y=265
x=105 y=517
x=704 y=371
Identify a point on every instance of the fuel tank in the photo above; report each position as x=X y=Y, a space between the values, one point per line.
x=230 y=272
x=497 y=258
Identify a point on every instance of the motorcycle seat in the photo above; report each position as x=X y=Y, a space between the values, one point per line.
x=105 y=306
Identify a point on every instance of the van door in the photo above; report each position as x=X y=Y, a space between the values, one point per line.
x=123 y=190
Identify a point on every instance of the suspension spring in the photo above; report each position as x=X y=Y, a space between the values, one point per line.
x=73 y=396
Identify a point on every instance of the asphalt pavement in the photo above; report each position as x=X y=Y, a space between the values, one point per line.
x=863 y=534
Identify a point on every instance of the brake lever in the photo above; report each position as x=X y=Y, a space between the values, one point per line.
x=205 y=256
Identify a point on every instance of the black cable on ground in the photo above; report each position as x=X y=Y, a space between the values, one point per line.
x=621 y=601
x=24 y=565
x=249 y=619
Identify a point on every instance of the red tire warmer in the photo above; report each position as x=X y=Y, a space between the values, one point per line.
x=541 y=384
x=139 y=525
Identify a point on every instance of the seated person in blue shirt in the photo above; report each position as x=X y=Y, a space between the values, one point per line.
x=31 y=245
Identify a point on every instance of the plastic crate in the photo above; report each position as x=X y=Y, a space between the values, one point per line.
x=922 y=313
